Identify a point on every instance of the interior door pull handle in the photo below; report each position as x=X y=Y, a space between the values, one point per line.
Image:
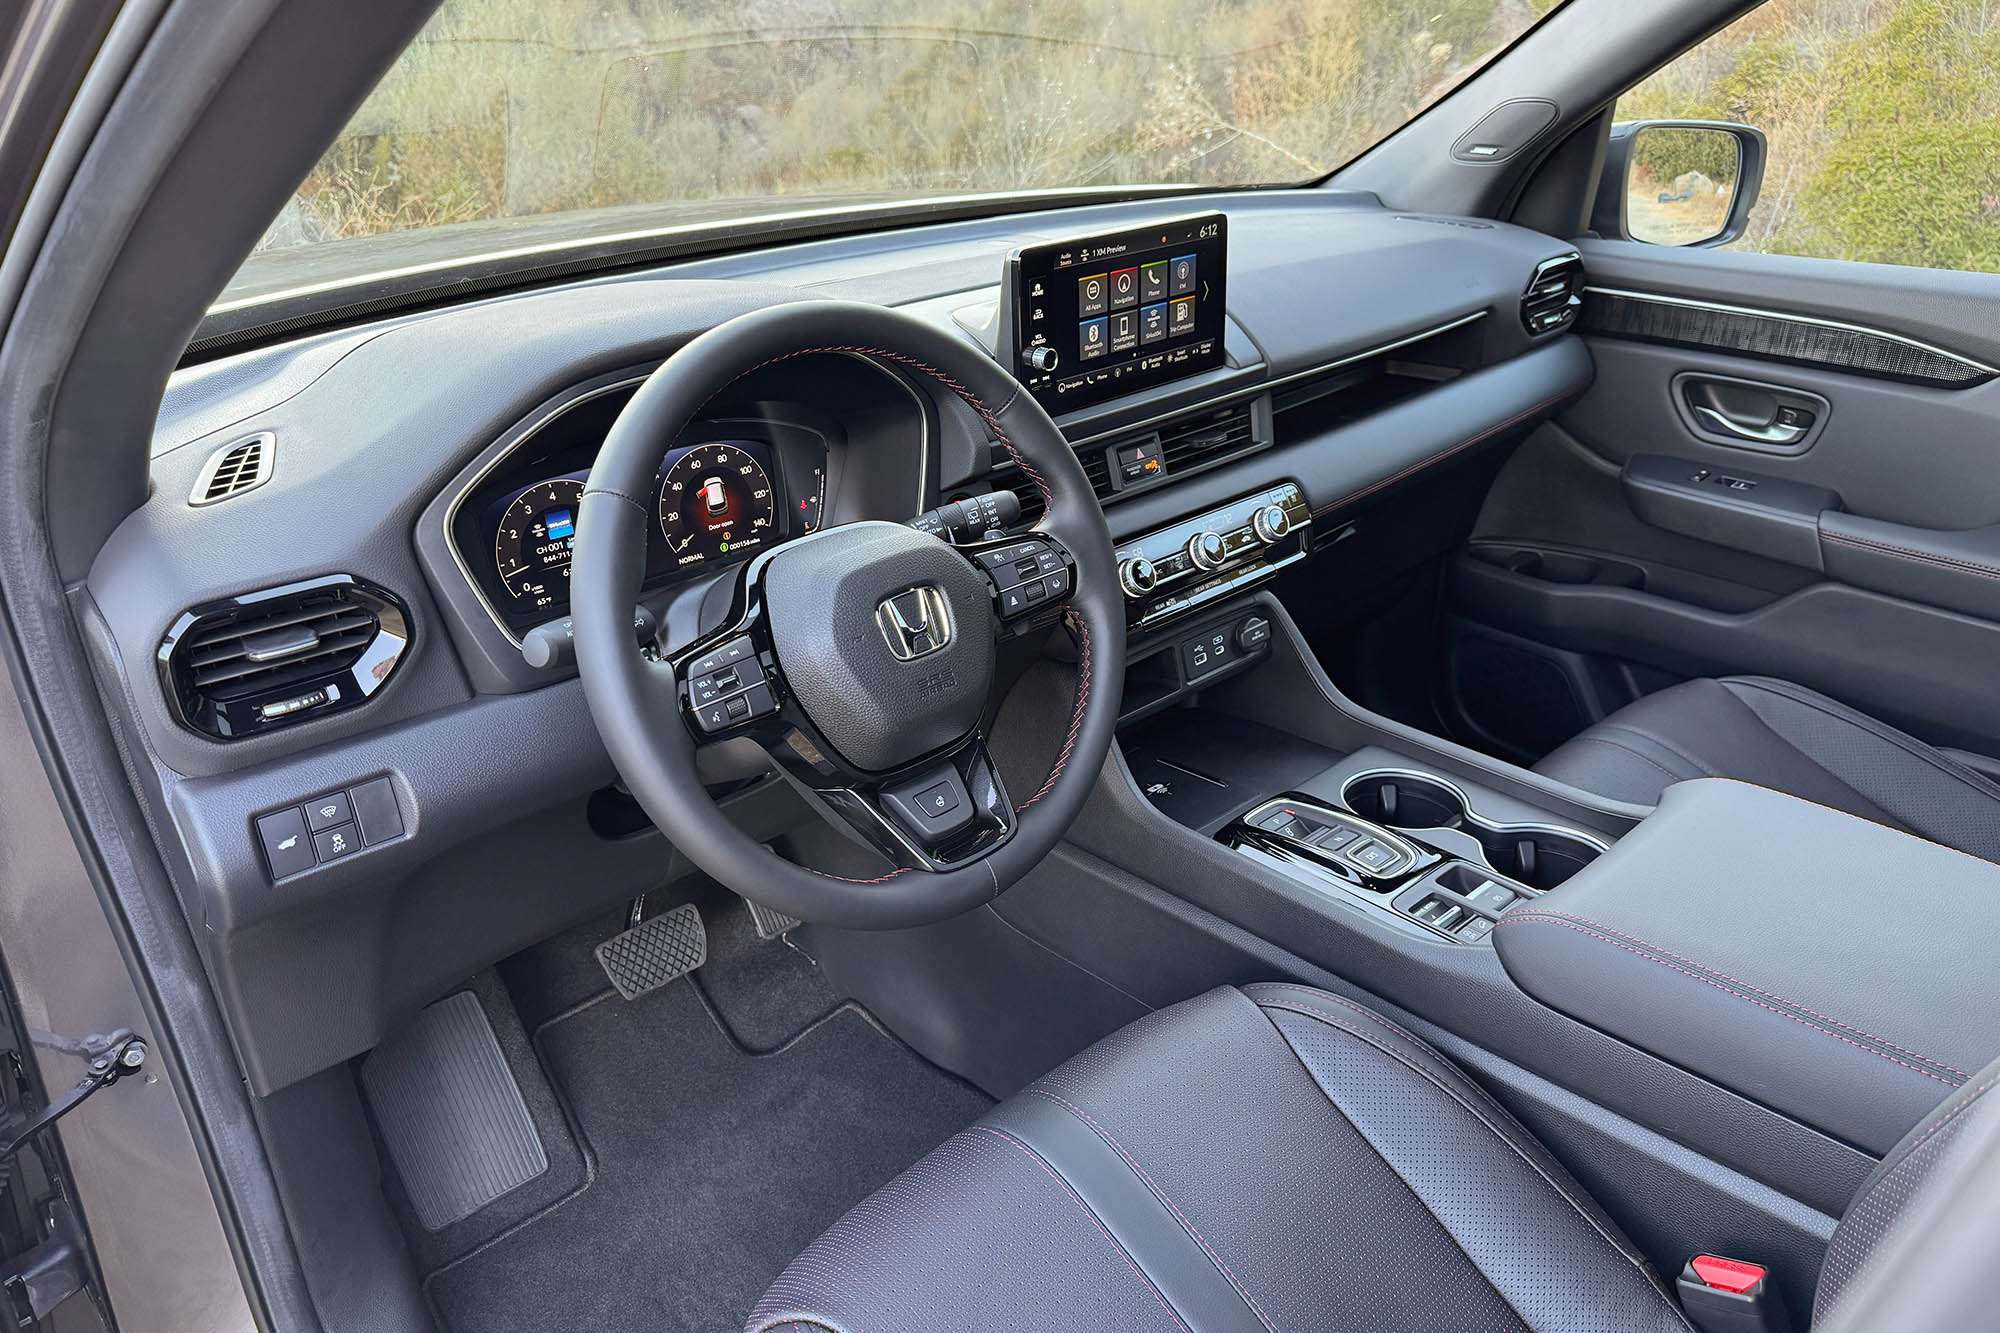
x=1724 y=424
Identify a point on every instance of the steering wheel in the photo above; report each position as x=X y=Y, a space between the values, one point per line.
x=861 y=657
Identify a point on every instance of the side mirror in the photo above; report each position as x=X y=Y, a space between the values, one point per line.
x=1678 y=182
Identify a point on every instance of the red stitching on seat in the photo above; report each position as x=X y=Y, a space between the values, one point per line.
x=1567 y=923
x=1132 y=1162
x=1036 y=1158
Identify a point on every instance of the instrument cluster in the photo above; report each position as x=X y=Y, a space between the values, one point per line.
x=725 y=490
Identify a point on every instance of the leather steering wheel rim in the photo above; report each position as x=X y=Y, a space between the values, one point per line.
x=635 y=698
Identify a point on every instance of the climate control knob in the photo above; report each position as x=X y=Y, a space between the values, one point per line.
x=1207 y=550
x=1271 y=524
x=1039 y=358
x=1137 y=576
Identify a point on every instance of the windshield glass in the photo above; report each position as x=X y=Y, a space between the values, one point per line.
x=617 y=115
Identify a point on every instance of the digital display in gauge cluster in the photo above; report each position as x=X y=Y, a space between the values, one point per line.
x=716 y=501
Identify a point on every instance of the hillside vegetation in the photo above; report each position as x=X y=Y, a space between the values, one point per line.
x=1883 y=118
x=1883 y=115
x=504 y=108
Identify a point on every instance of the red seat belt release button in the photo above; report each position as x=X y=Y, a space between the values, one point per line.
x=1732 y=1275
x=1730 y=1296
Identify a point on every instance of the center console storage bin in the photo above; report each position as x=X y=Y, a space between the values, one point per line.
x=1837 y=971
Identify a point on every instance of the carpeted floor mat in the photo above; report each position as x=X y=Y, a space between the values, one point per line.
x=713 y=1167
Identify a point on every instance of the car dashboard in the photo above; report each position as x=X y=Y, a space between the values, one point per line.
x=420 y=473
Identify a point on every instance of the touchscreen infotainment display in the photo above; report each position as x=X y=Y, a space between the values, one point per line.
x=1127 y=310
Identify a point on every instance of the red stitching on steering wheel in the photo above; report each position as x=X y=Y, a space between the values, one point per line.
x=992 y=420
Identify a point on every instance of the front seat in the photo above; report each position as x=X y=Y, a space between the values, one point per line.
x=1786 y=737
x=1280 y=1158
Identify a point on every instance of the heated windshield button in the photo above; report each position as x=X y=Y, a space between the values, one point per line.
x=328 y=810
x=287 y=845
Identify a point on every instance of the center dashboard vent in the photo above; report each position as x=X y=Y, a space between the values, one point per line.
x=1141 y=459
x=1553 y=295
x=268 y=659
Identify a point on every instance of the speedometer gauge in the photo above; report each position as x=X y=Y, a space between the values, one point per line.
x=716 y=500
x=531 y=548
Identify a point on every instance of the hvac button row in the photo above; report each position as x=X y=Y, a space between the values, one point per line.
x=329 y=826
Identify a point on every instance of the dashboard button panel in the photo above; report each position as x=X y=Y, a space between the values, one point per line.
x=1211 y=555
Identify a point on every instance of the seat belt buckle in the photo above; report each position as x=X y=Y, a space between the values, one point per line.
x=1730 y=1296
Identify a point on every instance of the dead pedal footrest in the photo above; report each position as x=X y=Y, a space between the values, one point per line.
x=770 y=924
x=654 y=952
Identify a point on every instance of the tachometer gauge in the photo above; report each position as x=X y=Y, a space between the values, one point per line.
x=716 y=500
x=531 y=549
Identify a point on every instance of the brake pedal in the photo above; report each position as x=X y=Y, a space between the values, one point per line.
x=654 y=952
x=770 y=925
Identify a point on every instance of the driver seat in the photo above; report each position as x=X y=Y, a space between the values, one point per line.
x=1272 y=1158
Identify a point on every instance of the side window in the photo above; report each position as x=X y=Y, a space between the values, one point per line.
x=1882 y=121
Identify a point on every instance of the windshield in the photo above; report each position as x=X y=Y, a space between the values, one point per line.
x=614 y=115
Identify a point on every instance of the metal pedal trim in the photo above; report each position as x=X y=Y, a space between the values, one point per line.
x=657 y=950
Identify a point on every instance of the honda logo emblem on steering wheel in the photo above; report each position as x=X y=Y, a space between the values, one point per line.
x=915 y=623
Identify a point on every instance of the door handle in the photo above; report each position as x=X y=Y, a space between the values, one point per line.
x=1723 y=424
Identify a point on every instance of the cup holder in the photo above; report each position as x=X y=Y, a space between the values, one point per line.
x=1530 y=854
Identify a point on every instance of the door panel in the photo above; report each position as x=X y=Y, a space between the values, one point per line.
x=1858 y=554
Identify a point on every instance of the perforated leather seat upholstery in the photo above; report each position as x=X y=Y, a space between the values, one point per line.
x=1281 y=1159
x=1272 y=1158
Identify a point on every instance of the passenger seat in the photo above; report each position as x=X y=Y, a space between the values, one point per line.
x=1783 y=736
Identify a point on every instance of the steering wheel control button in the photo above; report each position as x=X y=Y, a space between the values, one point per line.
x=729 y=654
x=931 y=807
x=334 y=843
x=323 y=812
x=287 y=845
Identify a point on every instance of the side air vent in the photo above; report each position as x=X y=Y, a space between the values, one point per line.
x=268 y=659
x=1551 y=302
x=235 y=468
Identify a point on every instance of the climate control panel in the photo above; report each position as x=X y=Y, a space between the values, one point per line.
x=1212 y=555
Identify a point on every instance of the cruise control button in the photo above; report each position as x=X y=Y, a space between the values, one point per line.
x=1048 y=562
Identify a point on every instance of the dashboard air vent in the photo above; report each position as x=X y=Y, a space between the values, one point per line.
x=234 y=469
x=272 y=658
x=1207 y=438
x=1551 y=300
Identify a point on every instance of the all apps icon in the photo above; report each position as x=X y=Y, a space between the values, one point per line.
x=1093 y=295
